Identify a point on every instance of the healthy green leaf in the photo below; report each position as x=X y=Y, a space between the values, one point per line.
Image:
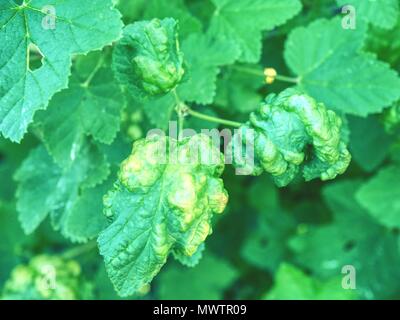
x=164 y=200
x=332 y=68
x=91 y=106
x=204 y=55
x=243 y=21
x=381 y=196
x=27 y=30
x=383 y=13
x=45 y=188
x=367 y=134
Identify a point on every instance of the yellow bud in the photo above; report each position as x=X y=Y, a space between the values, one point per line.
x=270 y=72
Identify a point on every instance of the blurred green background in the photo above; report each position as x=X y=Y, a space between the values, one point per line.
x=270 y=243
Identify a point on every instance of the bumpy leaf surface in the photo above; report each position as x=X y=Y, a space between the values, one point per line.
x=164 y=200
x=333 y=69
x=27 y=30
x=282 y=130
x=147 y=60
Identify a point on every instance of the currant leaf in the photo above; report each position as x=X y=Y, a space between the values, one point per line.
x=25 y=30
x=283 y=128
x=164 y=200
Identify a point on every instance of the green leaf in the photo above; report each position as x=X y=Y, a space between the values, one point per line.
x=366 y=135
x=243 y=21
x=45 y=188
x=380 y=196
x=91 y=106
x=293 y=284
x=289 y=133
x=266 y=245
x=25 y=33
x=160 y=204
x=383 y=13
x=204 y=55
x=207 y=280
x=147 y=60
x=86 y=220
x=333 y=69
x=352 y=238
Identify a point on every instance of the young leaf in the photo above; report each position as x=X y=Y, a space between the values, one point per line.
x=29 y=29
x=243 y=21
x=333 y=69
x=164 y=200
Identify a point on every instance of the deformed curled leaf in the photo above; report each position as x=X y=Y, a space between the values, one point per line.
x=147 y=59
x=292 y=132
x=163 y=202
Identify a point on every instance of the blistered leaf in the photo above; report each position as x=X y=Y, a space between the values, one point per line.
x=291 y=132
x=164 y=200
x=147 y=60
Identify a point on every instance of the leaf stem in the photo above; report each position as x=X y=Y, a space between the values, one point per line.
x=79 y=250
x=287 y=79
x=260 y=73
x=180 y=111
x=183 y=109
x=213 y=119
x=93 y=73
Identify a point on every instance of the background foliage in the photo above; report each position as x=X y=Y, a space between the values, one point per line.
x=65 y=132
